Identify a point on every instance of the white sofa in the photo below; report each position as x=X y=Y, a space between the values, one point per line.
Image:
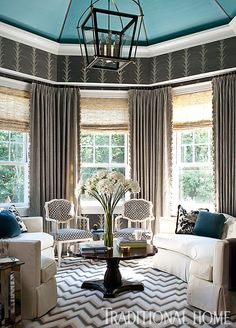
x=35 y=249
x=202 y=262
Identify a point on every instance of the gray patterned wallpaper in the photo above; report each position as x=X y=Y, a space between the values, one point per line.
x=191 y=61
x=25 y=59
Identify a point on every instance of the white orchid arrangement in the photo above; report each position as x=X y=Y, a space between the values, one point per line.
x=108 y=187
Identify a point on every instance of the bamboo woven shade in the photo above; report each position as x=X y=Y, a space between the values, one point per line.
x=14 y=109
x=192 y=110
x=104 y=114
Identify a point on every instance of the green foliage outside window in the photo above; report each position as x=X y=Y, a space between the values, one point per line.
x=12 y=183
x=102 y=155
x=12 y=167
x=102 y=140
x=100 y=152
x=102 y=148
x=196 y=181
x=87 y=154
x=117 y=139
x=87 y=139
x=118 y=155
x=197 y=185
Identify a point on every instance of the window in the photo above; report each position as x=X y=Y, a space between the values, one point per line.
x=104 y=139
x=101 y=151
x=193 y=170
x=193 y=180
x=14 y=127
x=13 y=168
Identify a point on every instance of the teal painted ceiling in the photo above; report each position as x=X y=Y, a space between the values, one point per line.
x=163 y=19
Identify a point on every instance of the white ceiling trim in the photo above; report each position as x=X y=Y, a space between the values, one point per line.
x=30 y=39
x=195 y=39
x=20 y=85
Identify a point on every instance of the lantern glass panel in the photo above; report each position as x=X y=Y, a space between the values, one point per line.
x=108 y=37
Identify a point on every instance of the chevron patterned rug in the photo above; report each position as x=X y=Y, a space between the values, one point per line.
x=162 y=303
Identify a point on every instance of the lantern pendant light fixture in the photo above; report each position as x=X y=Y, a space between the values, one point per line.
x=109 y=38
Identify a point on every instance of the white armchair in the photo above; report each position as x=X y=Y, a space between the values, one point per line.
x=35 y=249
x=60 y=212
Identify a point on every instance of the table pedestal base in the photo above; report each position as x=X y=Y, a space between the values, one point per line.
x=112 y=284
x=109 y=292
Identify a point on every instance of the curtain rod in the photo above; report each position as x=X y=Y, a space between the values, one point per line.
x=124 y=88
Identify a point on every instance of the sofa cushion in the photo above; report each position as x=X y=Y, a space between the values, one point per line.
x=196 y=247
x=209 y=224
x=48 y=268
x=45 y=238
x=9 y=226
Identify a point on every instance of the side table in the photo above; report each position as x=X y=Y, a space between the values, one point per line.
x=10 y=293
x=112 y=284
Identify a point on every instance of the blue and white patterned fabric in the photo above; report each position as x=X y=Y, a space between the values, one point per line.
x=137 y=209
x=138 y=215
x=72 y=234
x=60 y=210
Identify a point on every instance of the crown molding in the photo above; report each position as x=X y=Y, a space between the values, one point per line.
x=232 y=25
x=192 y=40
x=30 y=39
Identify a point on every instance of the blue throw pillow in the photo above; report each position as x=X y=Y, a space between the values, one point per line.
x=209 y=224
x=9 y=226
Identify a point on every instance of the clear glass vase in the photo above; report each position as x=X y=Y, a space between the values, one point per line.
x=108 y=230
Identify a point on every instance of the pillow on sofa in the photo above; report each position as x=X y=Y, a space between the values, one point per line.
x=209 y=224
x=185 y=221
x=230 y=221
x=14 y=210
x=9 y=226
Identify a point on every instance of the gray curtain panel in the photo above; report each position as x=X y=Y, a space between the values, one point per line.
x=54 y=144
x=150 y=118
x=224 y=134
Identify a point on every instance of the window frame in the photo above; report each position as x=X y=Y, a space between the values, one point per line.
x=177 y=164
x=177 y=91
x=91 y=206
x=24 y=163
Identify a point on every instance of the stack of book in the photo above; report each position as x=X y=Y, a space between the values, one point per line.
x=126 y=242
x=93 y=247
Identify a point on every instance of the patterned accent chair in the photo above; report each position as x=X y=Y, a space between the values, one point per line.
x=139 y=214
x=60 y=212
